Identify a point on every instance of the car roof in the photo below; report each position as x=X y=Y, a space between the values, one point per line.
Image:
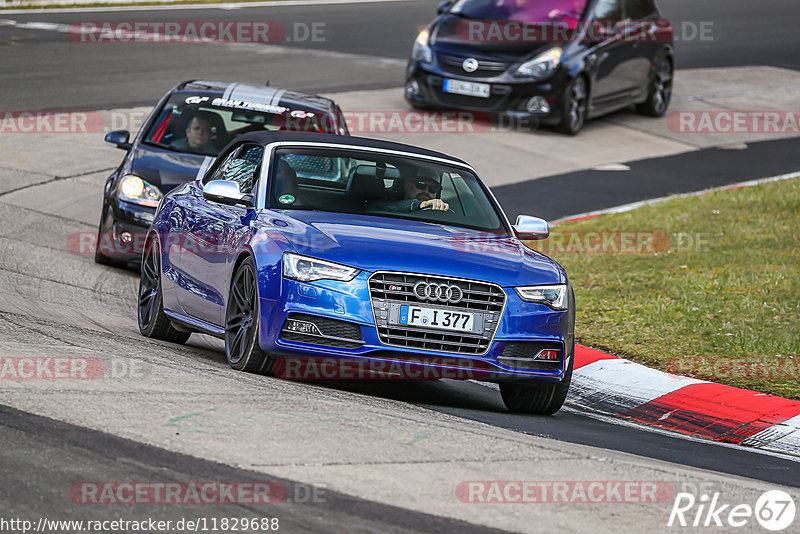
x=262 y=94
x=268 y=137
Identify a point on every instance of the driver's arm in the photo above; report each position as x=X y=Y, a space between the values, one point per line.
x=434 y=204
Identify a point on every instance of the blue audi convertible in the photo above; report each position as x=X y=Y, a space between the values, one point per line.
x=306 y=252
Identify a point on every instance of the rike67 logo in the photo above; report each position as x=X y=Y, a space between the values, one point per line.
x=774 y=510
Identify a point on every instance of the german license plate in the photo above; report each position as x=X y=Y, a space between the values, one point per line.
x=435 y=318
x=460 y=87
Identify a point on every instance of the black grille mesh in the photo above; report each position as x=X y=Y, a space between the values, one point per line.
x=387 y=288
x=328 y=327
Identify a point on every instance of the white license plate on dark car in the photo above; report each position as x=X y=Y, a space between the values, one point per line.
x=436 y=318
x=459 y=87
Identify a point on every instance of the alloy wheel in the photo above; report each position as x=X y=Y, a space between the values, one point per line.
x=149 y=286
x=240 y=320
x=662 y=86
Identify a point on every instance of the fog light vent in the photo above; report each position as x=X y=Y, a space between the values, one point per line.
x=315 y=330
x=538 y=104
x=412 y=88
x=302 y=327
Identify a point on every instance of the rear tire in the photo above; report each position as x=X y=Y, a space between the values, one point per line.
x=242 y=323
x=660 y=92
x=153 y=322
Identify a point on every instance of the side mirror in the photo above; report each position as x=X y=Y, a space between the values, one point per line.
x=119 y=138
x=444 y=7
x=531 y=228
x=226 y=192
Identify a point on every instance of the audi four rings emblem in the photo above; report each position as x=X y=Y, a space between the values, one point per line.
x=439 y=292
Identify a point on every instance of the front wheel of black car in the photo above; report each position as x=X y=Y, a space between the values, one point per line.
x=153 y=322
x=576 y=104
x=660 y=91
x=99 y=257
x=242 y=323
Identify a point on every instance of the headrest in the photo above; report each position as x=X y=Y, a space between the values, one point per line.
x=364 y=183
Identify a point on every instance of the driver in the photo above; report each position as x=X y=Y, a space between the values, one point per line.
x=420 y=191
x=198 y=137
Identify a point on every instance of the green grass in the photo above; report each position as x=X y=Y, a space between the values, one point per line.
x=727 y=310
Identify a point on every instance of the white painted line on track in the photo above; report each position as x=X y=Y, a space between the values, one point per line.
x=633 y=205
x=223 y=6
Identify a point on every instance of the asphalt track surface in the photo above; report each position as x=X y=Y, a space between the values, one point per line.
x=365 y=46
x=43 y=70
x=33 y=482
x=592 y=190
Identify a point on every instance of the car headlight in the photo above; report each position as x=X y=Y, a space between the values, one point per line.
x=134 y=189
x=421 y=51
x=540 y=66
x=553 y=296
x=305 y=269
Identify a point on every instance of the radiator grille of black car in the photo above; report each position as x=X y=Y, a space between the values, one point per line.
x=486 y=69
x=388 y=288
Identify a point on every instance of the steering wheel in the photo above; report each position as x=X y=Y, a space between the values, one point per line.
x=430 y=208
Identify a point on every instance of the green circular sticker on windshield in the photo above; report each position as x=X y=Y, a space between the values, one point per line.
x=286 y=199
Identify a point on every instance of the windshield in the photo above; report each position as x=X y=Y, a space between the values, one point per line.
x=520 y=10
x=370 y=183
x=199 y=124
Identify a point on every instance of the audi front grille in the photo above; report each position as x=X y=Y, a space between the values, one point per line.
x=390 y=290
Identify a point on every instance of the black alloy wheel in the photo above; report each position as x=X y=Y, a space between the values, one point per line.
x=242 y=323
x=660 y=92
x=153 y=322
x=576 y=101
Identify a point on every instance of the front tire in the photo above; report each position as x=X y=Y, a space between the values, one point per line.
x=242 y=323
x=153 y=322
x=548 y=399
x=660 y=92
x=539 y=400
x=99 y=257
x=576 y=104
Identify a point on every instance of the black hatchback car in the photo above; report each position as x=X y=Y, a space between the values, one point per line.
x=181 y=137
x=556 y=62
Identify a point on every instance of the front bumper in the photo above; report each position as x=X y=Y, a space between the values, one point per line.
x=123 y=230
x=508 y=98
x=349 y=302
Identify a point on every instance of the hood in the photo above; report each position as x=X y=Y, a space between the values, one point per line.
x=453 y=34
x=164 y=169
x=381 y=243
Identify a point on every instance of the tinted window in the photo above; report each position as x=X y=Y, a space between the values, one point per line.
x=374 y=183
x=609 y=10
x=242 y=166
x=639 y=9
x=527 y=11
x=204 y=124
